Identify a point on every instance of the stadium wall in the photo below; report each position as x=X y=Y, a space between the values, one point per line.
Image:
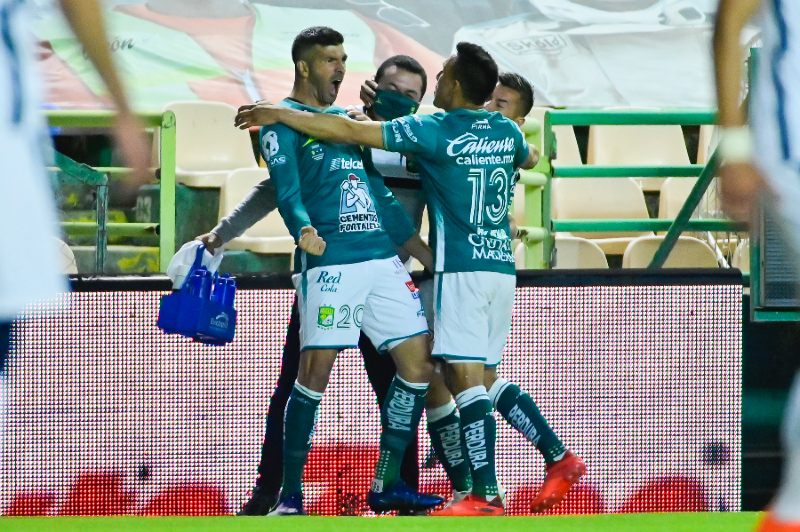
x=639 y=373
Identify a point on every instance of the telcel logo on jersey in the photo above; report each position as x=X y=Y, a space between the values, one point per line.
x=473 y=150
x=329 y=281
x=356 y=209
x=340 y=163
x=491 y=245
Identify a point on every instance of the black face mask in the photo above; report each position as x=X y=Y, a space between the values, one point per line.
x=392 y=104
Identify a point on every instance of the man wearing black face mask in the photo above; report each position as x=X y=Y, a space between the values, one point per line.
x=399 y=85
x=402 y=83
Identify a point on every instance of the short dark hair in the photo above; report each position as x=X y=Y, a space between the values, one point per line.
x=522 y=86
x=406 y=63
x=310 y=37
x=476 y=71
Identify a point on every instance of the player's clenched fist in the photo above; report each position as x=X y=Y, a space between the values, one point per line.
x=256 y=114
x=310 y=241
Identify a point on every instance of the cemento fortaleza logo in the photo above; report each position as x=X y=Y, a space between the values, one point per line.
x=329 y=281
x=491 y=245
x=470 y=149
x=325 y=317
x=340 y=163
x=356 y=209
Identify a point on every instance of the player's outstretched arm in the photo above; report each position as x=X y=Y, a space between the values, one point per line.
x=532 y=159
x=86 y=20
x=326 y=127
x=731 y=19
x=740 y=181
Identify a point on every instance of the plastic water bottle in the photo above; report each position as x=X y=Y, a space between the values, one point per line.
x=218 y=289
x=230 y=292
x=194 y=283
x=204 y=288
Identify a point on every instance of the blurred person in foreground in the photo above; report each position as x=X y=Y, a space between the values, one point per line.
x=773 y=176
x=29 y=264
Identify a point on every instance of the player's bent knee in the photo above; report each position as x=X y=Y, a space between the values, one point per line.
x=315 y=368
x=412 y=359
x=464 y=375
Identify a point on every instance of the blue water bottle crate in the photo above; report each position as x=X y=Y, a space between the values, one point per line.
x=203 y=307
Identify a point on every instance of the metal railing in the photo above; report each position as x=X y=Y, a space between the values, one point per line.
x=165 y=228
x=674 y=227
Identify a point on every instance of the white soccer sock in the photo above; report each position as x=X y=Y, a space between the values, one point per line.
x=496 y=390
x=440 y=412
x=470 y=395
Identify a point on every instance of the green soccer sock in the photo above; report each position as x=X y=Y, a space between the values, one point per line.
x=479 y=436
x=400 y=415
x=298 y=428
x=521 y=412
x=447 y=438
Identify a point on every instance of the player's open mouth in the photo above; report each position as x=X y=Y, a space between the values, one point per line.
x=336 y=84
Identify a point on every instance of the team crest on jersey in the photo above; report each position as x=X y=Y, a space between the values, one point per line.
x=325 y=317
x=317 y=153
x=270 y=147
x=356 y=208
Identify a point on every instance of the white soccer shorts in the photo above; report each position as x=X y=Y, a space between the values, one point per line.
x=378 y=297
x=472 y=316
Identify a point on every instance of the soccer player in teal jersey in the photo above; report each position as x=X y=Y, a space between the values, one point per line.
x=349 y=279
x=467 y=157
x=513 y=98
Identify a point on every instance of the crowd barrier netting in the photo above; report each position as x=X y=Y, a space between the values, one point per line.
x=639 y=374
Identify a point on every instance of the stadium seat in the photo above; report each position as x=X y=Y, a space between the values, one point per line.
x=269 y=235
x=67 y=263
x=741 y=256
x=637 y=145
x=573 y=252
x=208 y=146
x=688 y=252
x=568 y=153
x=706 y=142
x=674 y=192
x=604 y=199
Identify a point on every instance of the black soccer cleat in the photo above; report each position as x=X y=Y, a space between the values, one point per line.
x=402 y=499
x=260 y=502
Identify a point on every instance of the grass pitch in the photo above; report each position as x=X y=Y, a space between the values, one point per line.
x=673 y=522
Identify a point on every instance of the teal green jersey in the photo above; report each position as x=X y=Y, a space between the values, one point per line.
x=466 y=160
x=335 y=188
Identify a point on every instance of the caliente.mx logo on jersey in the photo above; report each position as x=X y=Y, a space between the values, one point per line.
x=470 y=149
x=356 y=208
